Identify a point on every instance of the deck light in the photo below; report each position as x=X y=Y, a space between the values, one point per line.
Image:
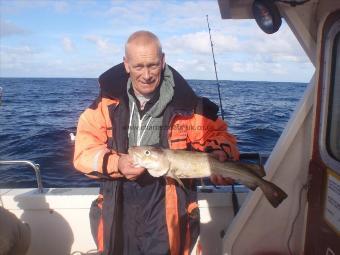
x=267 y=15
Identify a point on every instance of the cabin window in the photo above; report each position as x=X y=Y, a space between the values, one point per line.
x=333 y=125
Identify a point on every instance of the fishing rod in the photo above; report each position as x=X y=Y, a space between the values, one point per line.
x=0 y=95
x=236 y=206
x=218 y=82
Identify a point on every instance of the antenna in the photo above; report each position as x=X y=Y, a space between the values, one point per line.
x=234 y=198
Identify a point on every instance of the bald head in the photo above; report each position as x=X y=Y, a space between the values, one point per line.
x=144 y=61
x=142 y=39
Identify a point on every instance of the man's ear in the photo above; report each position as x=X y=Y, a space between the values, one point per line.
x=126 y=65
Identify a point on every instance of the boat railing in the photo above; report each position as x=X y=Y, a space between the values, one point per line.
x=36 y=168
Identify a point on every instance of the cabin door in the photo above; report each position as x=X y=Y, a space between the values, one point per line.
x=323 y=222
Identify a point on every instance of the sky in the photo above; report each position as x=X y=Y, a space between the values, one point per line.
x=84 y=38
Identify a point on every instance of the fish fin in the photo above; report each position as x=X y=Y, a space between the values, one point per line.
x=273 y=193
x=256 y=169
x=178 y=180
x=250 y=185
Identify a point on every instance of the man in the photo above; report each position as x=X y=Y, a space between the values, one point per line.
x=145 y=102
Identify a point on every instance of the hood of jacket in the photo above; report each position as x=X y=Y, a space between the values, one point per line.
x=113 y=84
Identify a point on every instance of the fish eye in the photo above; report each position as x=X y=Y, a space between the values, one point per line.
x=147 y=153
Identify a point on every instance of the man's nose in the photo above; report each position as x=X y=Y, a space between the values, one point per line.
x=146 y=74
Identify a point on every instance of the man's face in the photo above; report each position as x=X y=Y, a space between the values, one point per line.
x=144 y=63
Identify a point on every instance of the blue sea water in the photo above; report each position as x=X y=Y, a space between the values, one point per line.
x=38 y=114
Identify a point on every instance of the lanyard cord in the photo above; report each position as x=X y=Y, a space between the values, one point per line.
x=131 y=114
x=140 y=121
x=139 y=136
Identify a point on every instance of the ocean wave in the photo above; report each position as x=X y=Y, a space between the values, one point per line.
x=37 y=116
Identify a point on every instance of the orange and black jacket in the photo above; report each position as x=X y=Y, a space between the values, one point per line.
x=189 y=123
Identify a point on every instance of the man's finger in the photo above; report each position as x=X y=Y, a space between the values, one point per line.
x=219 y=179
x=134 y=173
x=228 y=180
x=219 y=155
x=213 y=178
x=131 y=177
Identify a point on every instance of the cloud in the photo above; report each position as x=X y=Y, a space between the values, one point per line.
x=17 y=58
x=199 y=43
x=196 y=67
x=255 y=53
x=68 y=45
x=279 y=47
x=24 y=6
x=174 y=16
x=25 y=61
x=61 y=7
x=289 y=58
x=103 y=45
x=20 y=6
x=254 y=67
x=133 y=11
x=17 y=51
x=99 y=30
x=246 y=67
x=9 y=29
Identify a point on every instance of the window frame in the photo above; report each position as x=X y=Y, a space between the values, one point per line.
x=328 y=69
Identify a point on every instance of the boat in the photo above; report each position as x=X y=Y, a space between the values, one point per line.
x=305 y=162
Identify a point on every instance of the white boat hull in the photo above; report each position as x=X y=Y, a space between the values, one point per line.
x=59 y=218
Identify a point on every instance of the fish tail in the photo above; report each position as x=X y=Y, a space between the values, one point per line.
x=273 y=193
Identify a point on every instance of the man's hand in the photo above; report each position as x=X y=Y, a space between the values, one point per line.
x=218 y=179
x=126 y=167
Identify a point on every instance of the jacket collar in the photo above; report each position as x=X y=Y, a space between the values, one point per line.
x=113 y=84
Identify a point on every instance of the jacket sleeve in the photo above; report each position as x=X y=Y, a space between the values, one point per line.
x=91 y=155
x=208 y=134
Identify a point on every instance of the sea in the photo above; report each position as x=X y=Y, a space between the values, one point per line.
x=37 y=116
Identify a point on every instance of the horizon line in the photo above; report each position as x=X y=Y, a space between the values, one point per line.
x=188 y=79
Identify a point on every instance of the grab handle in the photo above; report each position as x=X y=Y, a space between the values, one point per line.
x=36 y=168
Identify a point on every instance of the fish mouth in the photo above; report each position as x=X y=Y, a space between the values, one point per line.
x=131 y=152
x=136 y=157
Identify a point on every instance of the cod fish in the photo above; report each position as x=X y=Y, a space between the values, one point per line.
x=187 y=164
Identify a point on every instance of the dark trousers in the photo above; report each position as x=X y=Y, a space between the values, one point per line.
x=144 y=222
